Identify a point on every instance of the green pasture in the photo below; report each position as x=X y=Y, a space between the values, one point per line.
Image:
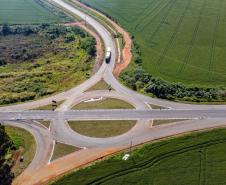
x=29 y=12
x=197 y=158
x=180 y=40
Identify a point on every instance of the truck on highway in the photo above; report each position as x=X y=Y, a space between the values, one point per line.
x=108 y=55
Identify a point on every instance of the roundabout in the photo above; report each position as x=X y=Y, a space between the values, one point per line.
x=41 y=170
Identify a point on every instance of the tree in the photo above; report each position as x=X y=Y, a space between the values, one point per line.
x=6 y=176
x=89 y=44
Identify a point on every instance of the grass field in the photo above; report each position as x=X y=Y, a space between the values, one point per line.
x=29 y=12
x=101 y=129
x=25 y=144
x=61 y=150
x=198 y=158
x=109 y=103
x=179 y=40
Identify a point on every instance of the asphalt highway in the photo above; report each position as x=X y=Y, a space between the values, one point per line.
x=114 y=114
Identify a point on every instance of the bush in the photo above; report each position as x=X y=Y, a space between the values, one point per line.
x=2 y=62
x=5 y=29
x=69 y=38
x=89 y=44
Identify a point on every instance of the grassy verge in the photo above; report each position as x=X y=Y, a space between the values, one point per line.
x=161 y=122
x=49 y=107
x=189 y=159
x=156 y=107
x=45 y=123
x=61 y=150
x=101 y=129
x=109 y=103
x=101 y=85
x=25 y=145
x=96 y=16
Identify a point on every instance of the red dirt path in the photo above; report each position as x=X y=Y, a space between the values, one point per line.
x=63 y=165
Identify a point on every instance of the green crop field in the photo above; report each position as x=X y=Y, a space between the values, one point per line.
x=180 y=40
x=29 y=12
x=198 y=158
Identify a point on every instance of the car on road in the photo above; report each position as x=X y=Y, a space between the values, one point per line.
x=108 y=55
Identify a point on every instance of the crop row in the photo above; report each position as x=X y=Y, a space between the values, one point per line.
x=151 y=161
x=213 y=46
x=193 y=39
x=173 y=36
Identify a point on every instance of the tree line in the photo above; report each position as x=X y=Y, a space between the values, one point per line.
x=137 y=79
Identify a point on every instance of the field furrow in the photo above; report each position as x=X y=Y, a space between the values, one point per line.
x=173 y=36
x=158 y=12
x=153 y=161
x=146 y=16
x=213 y=45
x=162 y=21
x=194 y=36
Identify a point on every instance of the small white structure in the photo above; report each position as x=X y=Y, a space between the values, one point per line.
x=93 y=99
x=125 y=157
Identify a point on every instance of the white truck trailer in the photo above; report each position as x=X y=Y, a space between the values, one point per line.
x=108 y=55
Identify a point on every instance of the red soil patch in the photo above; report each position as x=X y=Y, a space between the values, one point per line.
x=63 y=165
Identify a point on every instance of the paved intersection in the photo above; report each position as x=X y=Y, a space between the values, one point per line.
x=203 y=116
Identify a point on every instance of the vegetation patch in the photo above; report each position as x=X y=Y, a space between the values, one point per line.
x=101 y=85
x=101 y=129
x=25 y=146
x=36 y=61
x=109 y=103
x=157 y=107
x=161 y=122
x=30 y=12
x=52 y=106
x=192 y=159
x=6 y=157
x=61 y=150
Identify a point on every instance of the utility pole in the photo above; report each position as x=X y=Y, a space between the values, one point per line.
x=131 y=145
x=85 y=20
